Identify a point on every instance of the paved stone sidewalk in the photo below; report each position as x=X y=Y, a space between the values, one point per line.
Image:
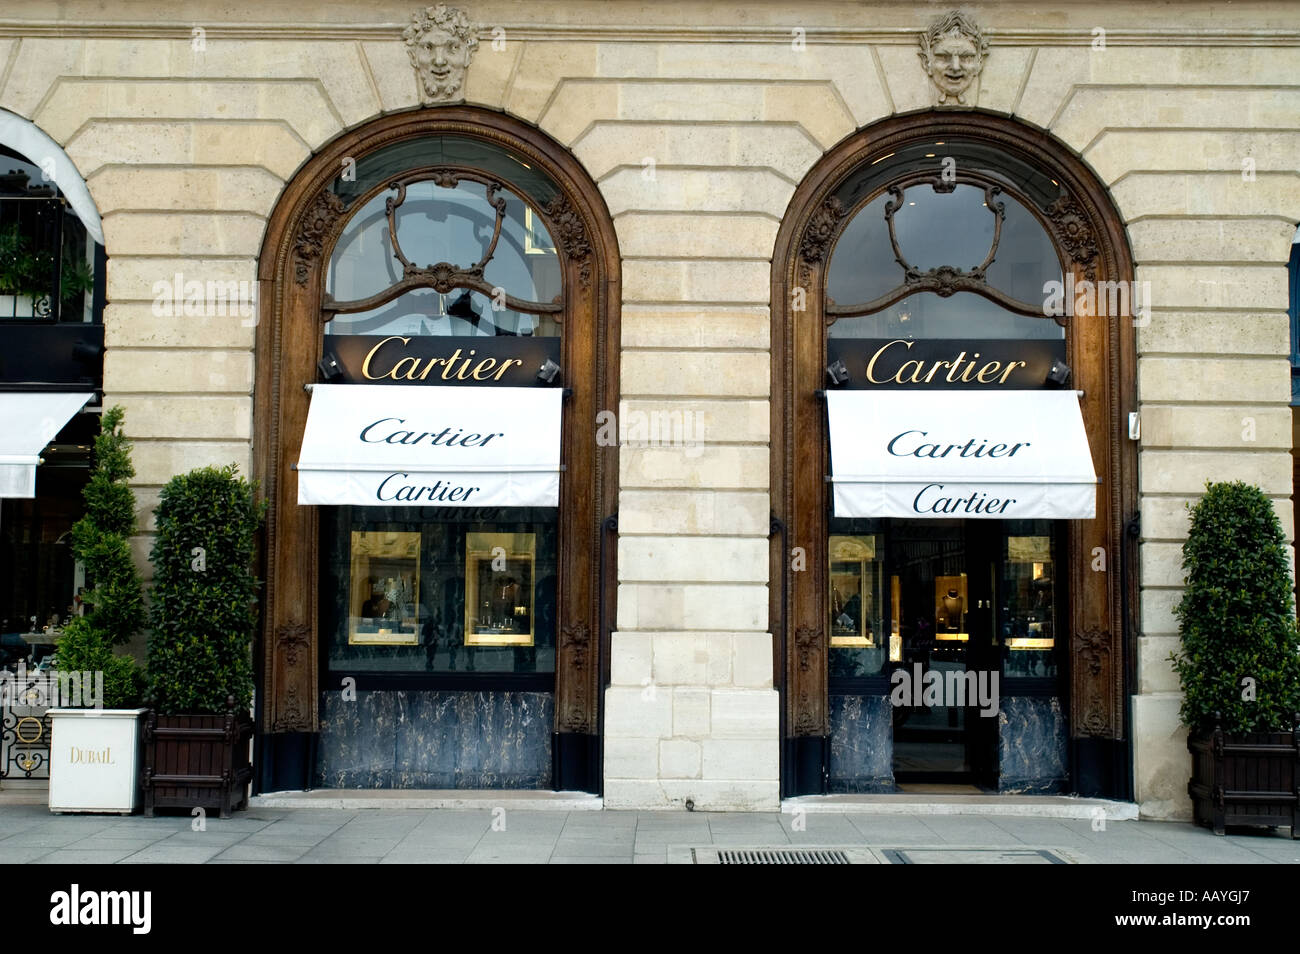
x=29 y=833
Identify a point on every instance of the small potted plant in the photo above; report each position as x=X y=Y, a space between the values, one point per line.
x=95 y=733
x=1239 y=662
x=204 y=617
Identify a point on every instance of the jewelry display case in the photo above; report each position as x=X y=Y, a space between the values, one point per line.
x=384 y=600
x=856 y=597
x=499 y=575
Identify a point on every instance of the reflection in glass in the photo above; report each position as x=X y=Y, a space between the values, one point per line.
x=499 y=571
x=381 y=166
x=1028 y=610
x=855 y=598
x=960 y=317
x=385 y=590
x=429 y=570
x=856 y=605
x=936 y=229
x=436 y=224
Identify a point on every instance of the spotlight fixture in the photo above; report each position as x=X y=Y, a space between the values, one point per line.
x=330 y=369
x=837 y=372
x=1058 y=374
x=548 y=372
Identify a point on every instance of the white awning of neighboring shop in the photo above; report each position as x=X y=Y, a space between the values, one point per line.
x=30 y=421
x=392 y=446
x=960 y=454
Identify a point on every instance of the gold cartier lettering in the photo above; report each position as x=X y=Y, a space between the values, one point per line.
x=446 y=371
x=960 y=370
x=883 y=348
x=365 y=365
x=458 y=366
x=916 y=375
x=505 y=366
x=1011 y=367
x=409 y=375
x=460 y=376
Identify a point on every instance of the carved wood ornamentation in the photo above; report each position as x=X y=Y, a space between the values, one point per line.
x=568 y=229
x=808 y=647
x=575 y=649
x=1073 y=233
x=315 y=232
x=296 y=250
x=1101 y=352
x=823 y=227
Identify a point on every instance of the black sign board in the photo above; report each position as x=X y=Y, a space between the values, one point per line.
x=486 y=361
x=67 y=353
x=946 y=363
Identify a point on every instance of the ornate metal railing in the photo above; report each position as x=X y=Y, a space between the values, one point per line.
x=24 y=742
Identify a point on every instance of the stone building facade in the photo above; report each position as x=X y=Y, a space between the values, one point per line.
x=697 y=122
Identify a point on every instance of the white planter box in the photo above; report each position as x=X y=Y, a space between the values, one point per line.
x=95 y=760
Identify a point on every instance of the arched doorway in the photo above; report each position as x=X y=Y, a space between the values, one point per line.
x=921 y=242
x=399 y=253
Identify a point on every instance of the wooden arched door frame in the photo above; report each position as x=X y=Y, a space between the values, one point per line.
x=1089 y=235
x=295 y=253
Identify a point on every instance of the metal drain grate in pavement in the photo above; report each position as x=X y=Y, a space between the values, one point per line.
x=794 y=856
x=783 y=856
x=861 y=855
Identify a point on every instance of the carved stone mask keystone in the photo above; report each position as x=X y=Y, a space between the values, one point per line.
x=953 y=51
x=440 y=42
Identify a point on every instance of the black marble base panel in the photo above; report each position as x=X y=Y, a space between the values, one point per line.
x=862 y=744
x=435 y=739
x=1033 y=746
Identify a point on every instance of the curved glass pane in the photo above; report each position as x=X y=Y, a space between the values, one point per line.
x=862 y=267
x=436 y=224
x=1026 y=259
x=49 y=255
x=426 y=152
x=935 y=229
x=963 y=315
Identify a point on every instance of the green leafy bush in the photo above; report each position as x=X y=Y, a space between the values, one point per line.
x=1240 y=651
x=204 y=609
x=115 y=604
x=28 y=275
x=82 y=649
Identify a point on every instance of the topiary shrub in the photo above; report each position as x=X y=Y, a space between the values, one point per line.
x=115 y=604
x=1240 y=646
x=204 y=610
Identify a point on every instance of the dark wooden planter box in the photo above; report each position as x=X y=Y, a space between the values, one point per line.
x=1251 y=779
x=197 y=761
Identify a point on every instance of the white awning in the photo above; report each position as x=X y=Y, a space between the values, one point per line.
x=998 y=455
x=30 y=421
x=392 y=446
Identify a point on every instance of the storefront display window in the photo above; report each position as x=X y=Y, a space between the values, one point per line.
x=944 y=410
x=446 y=299
x=439 y=590
x=1028 y=600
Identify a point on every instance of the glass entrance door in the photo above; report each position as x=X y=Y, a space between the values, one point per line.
x=942 y=675
x=944 y=657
